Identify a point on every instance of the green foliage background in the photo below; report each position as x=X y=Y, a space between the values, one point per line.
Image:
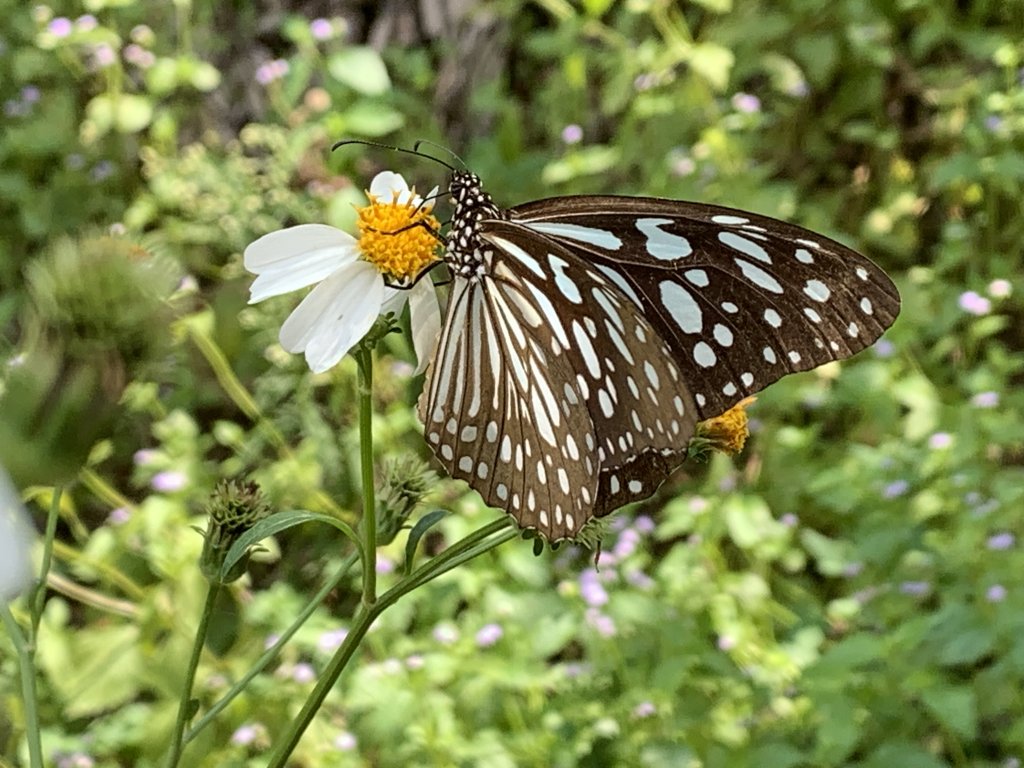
x=848 y=592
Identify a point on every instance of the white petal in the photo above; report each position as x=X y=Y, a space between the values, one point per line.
x=15 y=543
x=425 y=322
x=387 y=184
x=394 y=300
x=334 y=316
x=293 y=258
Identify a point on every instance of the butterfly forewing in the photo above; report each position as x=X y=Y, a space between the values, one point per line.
x=741 y=299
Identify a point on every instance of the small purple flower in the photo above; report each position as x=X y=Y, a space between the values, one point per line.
x=142 y=34
x=639 y=579
x=321 y=29
x=246 y=734
x=883 y=348
x=331 y=639
x=799 y=89
x=626 y=545
x=974 y=303
x=345 y=741
x=103 y=55
x=145 y=457
x=698 y=504
x=996 y=593
x=985 y=400
x=75 y=760
x=168 y=481
x=60 y=27
x=606 y=559
x=851 y=570
x=135 y=54
x=895 y=489
x=271 y=71
x=74 y=162
x=446 y=633
x=572 y=134
x=104 y=169
x=1001 y=541
x=414 y=662
x=86 y=23
x=645 y=81
x=746 y=103
x=591 y=591
x=993 y=123
x=940 y=441
x=997 y=289
x=916 y=588
x=644 y=524
x=303 y=673
x=644 y=709
x=603 y=623
x=684 y=166
x=30 y=94
x=270 y=641
x=488 y=635
x=574 y=669
x=789 y=520
x=384 y=564
x=119 y=516
x=726 y=642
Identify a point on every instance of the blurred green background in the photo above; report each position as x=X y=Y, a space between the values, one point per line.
x=847 y=592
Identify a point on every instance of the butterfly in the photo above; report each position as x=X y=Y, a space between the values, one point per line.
x=586 y=336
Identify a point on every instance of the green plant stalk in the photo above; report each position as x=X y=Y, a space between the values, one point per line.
x=271 y=653
x=483 y=540
x=177 y=743
x=369 y=522
x=26 y=667
x=39 y=594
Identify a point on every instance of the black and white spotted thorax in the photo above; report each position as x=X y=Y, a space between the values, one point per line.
x=466 y=252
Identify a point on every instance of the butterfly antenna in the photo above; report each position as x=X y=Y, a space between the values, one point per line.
x=417 y=153
x=441 y=147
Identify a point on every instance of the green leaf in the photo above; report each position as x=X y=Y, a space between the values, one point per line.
x=712 y=62
x=276 y=523
x=955 y=707
x=371 y=118
x=904 y=755
x=133 y=113
x=361 y=69
x=748 y=519
x=423 y=525
x=830 y=556
x=582 y=162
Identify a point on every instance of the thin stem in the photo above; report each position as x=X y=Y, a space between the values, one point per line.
x=26 y=666
x=475 y=544
x=271 y=653
x=39 y=595
x=369 y=523
x=185 y=705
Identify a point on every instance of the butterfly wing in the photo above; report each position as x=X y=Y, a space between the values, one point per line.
x=551 y=395
x=740 y=299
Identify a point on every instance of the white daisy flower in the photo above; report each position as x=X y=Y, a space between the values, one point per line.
x=350 y=274
x=15 y=543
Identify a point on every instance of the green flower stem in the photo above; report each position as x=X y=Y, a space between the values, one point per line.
x=271 y=653
x=483 y=540
x=369 y=523
x=184 y=705
x=39 y=595
x=28 y=686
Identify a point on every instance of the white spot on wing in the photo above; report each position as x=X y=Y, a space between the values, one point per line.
x=758 y=276
x=772 y=317
x=744 y=245
x=704 y=356
x=565 y=283
x=817 y=290
x=663 y=245
x=682 y=306
x=726 y=219
x=591 y=235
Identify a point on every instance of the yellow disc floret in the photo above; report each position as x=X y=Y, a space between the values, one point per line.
x=393 y=239
x=728 y=432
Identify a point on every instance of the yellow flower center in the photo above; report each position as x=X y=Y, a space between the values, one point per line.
x=728 y=433
x=392 y=239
